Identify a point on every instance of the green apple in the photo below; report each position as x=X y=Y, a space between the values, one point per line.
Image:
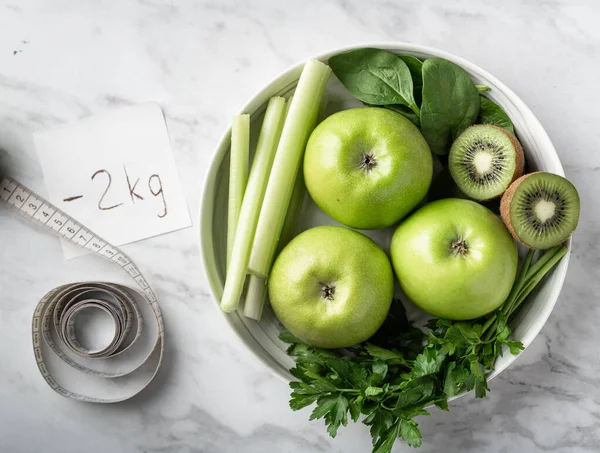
x=367 y=167
x=454 y=259
x=331 y=287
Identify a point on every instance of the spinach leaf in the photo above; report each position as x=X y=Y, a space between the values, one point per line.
x=405 y=112
x=492 y=113
x=415 y=66
x=375 y=77
x=450 y=103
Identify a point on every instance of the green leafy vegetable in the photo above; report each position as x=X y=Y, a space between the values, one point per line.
x=429 y=362
x=376 y=77
x=450 y=103
x=436 y=95
x=415 y=66
x=397 y=376
x=492 y=113
x=406 y=112
x=409 y=431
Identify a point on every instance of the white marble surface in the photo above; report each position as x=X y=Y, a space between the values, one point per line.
x=202 y=60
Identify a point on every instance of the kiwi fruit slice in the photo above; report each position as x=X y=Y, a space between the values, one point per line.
x=484 y=160
x=540 y=209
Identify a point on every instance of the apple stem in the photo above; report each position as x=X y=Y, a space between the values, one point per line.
x=368 y=162
x=328 y=291
x=459 y=247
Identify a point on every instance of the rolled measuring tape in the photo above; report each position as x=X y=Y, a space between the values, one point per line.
x=132 y=358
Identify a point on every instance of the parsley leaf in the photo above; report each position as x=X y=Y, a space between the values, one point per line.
x=379 y=371
x=386 y=355
x=428 y=362
x=386 y=440
x=354 y=407
x=455 y=379
x=379 y=421
x=402 y=371
x=409 y=431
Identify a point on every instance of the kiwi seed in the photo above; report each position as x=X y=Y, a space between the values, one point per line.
x=540 y=209
x=484 y=160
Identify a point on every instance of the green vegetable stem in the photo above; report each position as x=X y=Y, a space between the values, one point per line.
x=299 y=123
x=238 y=175
x=252 y=201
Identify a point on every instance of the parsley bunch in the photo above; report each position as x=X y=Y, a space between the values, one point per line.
x=402 y=371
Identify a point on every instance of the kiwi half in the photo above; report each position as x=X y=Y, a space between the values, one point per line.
x=540 y=209
x=484 y=160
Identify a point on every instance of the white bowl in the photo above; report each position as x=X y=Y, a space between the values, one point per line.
x=262 y=338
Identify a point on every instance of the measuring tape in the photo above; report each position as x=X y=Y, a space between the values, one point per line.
x=132 y=358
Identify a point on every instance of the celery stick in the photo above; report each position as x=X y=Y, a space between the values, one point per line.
x=299 y=124
x=323 y=108
x=255 y=297
x=257 y=183
x=257 y=288
x=291 y=217
x=238 y=174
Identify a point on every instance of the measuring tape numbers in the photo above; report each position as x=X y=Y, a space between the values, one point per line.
x=132 y=358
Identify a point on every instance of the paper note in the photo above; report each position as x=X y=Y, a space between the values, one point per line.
x=115 y=173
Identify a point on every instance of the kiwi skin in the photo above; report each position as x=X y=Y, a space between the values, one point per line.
x=505 y=205
x=519 y=155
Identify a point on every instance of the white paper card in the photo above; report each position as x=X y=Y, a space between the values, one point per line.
x=115 y=173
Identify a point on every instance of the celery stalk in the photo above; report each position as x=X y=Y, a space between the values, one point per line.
x=255 y=297
x=299 y=124
x=257 y=287
x=248 y=218
x=323 y=107
x=291 y=217
x=238 y=174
